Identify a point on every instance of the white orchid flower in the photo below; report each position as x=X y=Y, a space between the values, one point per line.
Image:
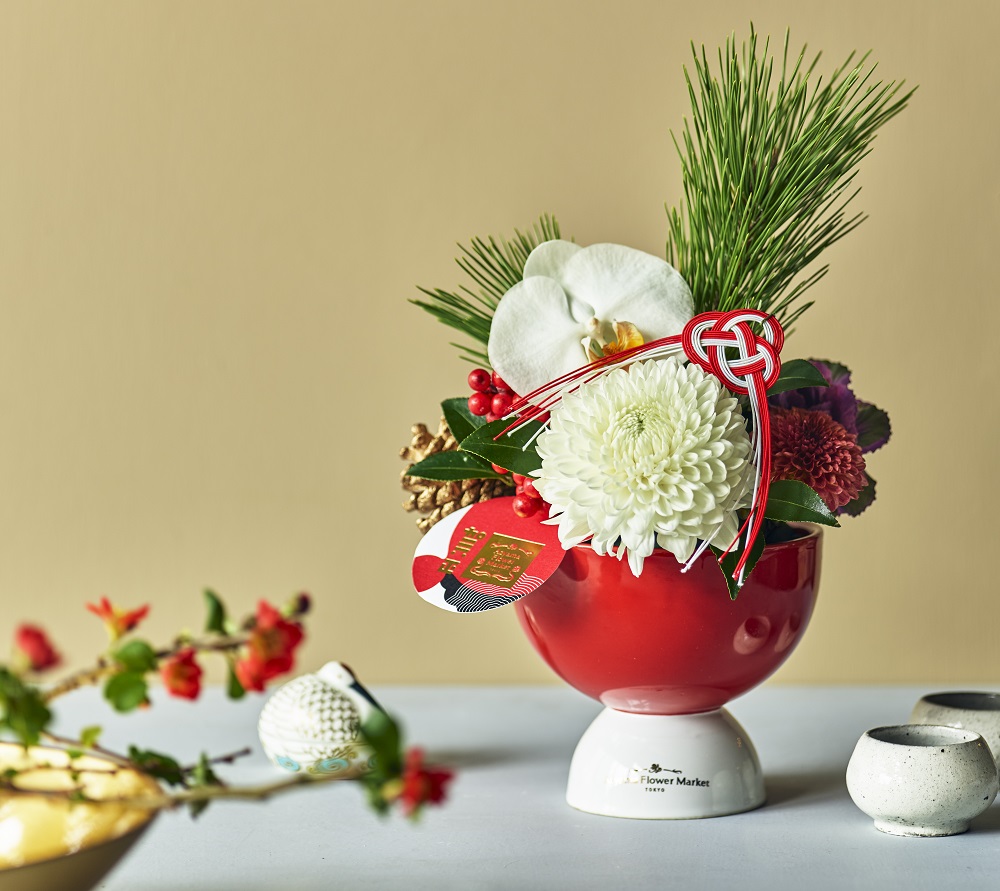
x=576 y=303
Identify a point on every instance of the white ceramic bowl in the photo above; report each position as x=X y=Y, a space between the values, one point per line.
x=979 y=712
x=922 y=779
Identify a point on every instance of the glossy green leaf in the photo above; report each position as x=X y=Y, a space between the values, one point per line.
x=728 y=563
x=461 y=421
x=126 y=690
x=215 y=620
x=455 y=465
x=791 y=501
x=795 y=374
x=508 y=450
x=137 y=656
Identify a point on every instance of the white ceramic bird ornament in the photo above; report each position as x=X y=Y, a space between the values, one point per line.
x=312 y=723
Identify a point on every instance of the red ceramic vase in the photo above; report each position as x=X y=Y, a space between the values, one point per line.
x=667 y=642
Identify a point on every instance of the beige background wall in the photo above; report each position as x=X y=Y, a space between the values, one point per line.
x=211 y=217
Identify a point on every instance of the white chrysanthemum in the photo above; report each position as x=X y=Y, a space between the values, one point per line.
x=655 y=453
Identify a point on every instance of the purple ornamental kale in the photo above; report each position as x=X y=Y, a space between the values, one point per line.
x=869 y=423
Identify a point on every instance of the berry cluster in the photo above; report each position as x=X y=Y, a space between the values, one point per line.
x=527 y=501
x=491 y=396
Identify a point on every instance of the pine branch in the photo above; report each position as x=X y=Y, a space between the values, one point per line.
x=768 y=173
x=495 y=265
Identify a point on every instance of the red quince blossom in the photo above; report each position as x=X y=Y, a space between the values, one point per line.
x=181 y=674
x=118 y=621
x=33 y=646
x=811 y=447
x=270 y=648
x=421 y=785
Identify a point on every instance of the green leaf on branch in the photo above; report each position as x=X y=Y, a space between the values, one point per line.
x=202 y=775
x=89 y=736
x=234 y=689
x=216 y=618
x=453 y=466
x=137 y=656
x=22 y=709
x=382 y=735
x=796 y=374
x=461 y=421
x=509 y=450
x=157 y=765
x=126 y=690
x=791 y=501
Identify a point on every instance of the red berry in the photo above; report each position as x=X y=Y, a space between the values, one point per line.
x=479 y=403
x=526 y=506
x=490 y=417
x=498 y=469
x=480 y=380
x=501 y=404
x=499 y=383
x=529 y=489
x=519 y=480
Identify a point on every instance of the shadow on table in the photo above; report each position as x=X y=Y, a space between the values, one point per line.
x=793 y=789
x=479 y=757
x=989 y=820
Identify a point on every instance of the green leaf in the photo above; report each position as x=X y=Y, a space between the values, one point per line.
x=791 y=501
x=234 y=689
x=158 y=765
x=216 y=618
x=507 y=451
x=382 y=734
x=202 y=775
x=864 y=500
x=728 y=563
x=461 y=421
x=453 y=466
x=137 y=656
x=22 y=709
x=126 y=690
x=796 y=374
x=89 y=736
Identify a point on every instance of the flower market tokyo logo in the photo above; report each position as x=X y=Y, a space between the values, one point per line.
x=654 y=779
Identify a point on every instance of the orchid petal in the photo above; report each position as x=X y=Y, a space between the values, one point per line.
x=550 y=258
x=621 y=283
x=534 y=338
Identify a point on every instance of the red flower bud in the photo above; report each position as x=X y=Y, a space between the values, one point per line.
x=118 y=621
x=34 y=646
x=421 y=785
x=181 y=675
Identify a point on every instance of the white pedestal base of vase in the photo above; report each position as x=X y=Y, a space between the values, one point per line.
x=665 y=767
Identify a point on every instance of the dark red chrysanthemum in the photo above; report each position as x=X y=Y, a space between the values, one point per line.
x=811 y=447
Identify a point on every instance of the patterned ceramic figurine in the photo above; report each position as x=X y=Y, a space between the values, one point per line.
x=312 y=723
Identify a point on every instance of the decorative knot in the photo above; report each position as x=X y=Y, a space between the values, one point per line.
x=709 y=337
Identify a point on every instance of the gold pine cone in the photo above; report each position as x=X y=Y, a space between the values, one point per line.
x=435 y=499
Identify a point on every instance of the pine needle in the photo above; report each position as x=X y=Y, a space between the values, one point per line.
x=768 y=173
x=495 y=265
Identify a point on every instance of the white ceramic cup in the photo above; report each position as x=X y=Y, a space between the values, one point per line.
x=979 y=712
x=922 y=779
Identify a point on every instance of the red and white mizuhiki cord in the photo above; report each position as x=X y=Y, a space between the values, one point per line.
x=751 y=371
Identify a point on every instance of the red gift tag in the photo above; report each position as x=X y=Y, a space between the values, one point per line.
x=484 y=556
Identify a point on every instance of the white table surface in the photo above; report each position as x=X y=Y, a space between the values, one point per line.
x=507 y=824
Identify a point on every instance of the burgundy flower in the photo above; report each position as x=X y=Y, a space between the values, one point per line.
x=33 y=646
x=811 y=447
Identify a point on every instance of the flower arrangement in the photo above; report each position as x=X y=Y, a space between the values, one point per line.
x=642 y=403
x=256 y=650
